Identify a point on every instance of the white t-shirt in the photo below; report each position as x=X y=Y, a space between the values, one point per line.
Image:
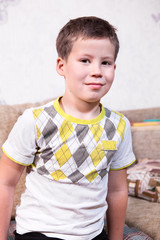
x=66 y=190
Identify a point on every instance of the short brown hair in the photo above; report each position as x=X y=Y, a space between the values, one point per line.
x=85 y=27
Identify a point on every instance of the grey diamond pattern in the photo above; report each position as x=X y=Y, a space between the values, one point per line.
x=81 y=131
x=103 y=172
x=49 y=131
x=110 y=129
x=75 y=176
x=47 y=154
x=110 y=154
x=107 y=112
x=42 y=170
x=51 y=111
x=80 y=155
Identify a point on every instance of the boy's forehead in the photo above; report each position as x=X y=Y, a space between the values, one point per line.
x=90 y=44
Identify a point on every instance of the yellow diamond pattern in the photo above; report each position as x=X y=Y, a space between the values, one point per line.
x=63 y=155
x=119 y=114
x=57 y=175
x=121 y=128
x=97 y=155
x=96 y=130
x=38 y=132
x=37 y=112
x=92 y=175
x=65 y=130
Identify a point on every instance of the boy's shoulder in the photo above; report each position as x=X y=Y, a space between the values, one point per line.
x=47 y=107
x=34 y=112
x=117 y=120
x=110 y=112
x=43 y=105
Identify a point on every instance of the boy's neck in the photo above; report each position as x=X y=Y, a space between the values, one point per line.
x=82 y=110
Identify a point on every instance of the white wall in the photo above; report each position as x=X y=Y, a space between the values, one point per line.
x=28 y=54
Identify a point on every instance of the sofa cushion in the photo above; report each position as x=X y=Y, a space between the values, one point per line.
x=8 y=117
x=144 y=215
x=139 y=115
x=144 y=180
x=146 y=142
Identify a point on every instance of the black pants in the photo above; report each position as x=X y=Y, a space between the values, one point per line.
x=39 y=236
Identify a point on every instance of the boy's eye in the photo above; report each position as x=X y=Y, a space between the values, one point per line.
x=106 y=63
x=85 y=61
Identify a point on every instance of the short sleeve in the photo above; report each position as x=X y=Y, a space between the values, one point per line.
x=21 y=143
x=124 y=156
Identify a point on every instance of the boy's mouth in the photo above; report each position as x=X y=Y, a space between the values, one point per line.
x=94 y=85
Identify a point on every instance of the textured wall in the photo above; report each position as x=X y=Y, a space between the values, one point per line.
x=28 y=55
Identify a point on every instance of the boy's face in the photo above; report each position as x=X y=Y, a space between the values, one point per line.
x=89 y=69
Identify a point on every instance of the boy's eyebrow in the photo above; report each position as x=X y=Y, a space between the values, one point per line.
x=108 y=57
x=91 y=56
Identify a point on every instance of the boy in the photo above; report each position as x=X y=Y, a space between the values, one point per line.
x=73 y=145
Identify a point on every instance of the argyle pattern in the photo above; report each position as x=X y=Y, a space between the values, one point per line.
x=72 y=152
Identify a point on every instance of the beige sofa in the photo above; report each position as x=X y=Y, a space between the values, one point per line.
x=144 y=214
x=146 y=144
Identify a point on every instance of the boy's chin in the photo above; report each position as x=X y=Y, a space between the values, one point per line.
x=93 y=100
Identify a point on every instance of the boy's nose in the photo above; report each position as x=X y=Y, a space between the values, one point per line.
x=96 y=71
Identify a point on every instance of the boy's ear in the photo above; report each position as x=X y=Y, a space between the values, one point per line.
x=60 y=66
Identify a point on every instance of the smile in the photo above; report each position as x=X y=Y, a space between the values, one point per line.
x=94 y=85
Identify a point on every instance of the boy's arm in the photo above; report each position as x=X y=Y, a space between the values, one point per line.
x=10 y=173
x=117 y=203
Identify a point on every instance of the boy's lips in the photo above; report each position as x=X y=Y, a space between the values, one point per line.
x=94 y=85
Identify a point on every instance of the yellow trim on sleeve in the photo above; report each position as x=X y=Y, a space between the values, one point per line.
x=14 y=159
x=123 y=167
